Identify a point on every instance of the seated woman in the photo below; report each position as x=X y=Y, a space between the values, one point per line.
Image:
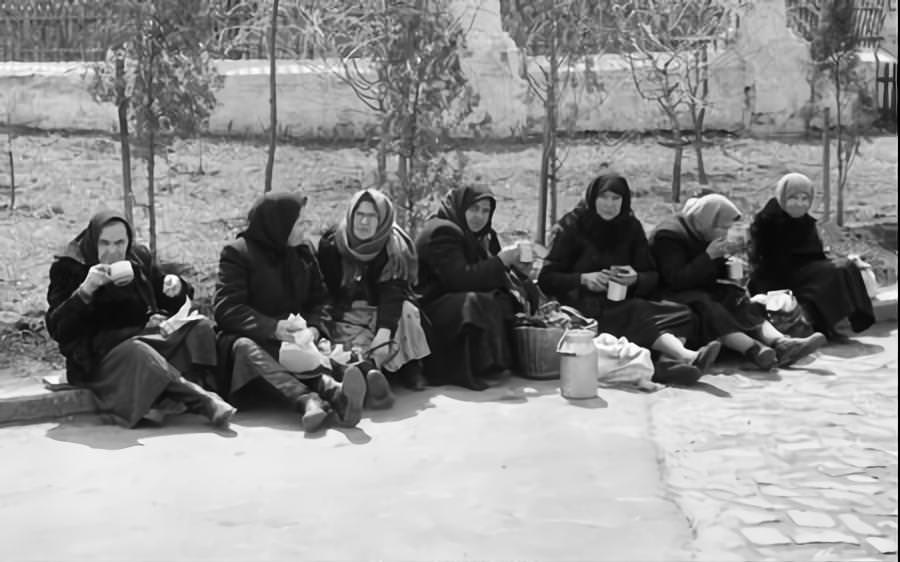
x=265 y=276
x=369 y=264
x=786 y=253
x=602 y=241
x=465 y=282
x=107 y=323
x=690 y=251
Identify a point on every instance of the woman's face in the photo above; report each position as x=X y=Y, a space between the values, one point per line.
x=478 y=214
x=365 y=221
x=295 y=238
x=112 y=244
x=797 y=204
x=719 y=231
x=608 y=205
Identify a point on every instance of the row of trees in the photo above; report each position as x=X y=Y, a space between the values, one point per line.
x=402 y=60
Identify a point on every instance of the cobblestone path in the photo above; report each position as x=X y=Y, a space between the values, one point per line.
x=795 y=464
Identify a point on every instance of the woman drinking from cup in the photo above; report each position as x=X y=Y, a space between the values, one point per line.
x=690 y=251
x=599 y=263
x=108 y=299
x=467 y=283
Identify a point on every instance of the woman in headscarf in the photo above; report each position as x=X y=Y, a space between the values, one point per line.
x=690 y=251
x=266 y=277
x=464 y=280
x=109 y=329
x=370 y=266
x=786 y=253
x=601 y=241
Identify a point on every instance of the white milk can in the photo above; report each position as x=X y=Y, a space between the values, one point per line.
x=577 y=364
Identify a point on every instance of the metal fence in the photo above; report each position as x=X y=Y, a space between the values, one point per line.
x=868 y=19
x=50 y=30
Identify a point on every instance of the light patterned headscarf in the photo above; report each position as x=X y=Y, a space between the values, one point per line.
x=402 y=261
x=792 y=184
x=704 y=214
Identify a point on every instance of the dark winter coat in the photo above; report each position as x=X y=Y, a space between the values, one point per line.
x=86 y=332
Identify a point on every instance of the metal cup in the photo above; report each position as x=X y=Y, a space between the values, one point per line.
x=616 y=291
x=121 y=272
x=526 y=252
x=735 y=269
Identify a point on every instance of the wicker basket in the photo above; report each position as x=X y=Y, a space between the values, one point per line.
x=535 y=350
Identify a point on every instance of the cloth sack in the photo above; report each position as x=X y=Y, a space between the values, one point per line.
x=623 y=363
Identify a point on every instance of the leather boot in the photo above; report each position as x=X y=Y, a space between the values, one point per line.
x=200 y=401
x=411 y=376
x=346 y=398
x=313 y=411
x=789 y=350
x=671 y=371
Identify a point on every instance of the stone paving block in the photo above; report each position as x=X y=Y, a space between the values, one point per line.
x=765 y=536
x=844 y=495
x=810 y=518
x=864 y=478
x=884 y=546
x=779 y=492
x=761 y=502
x=754 y=516
x=814 y=503
x=857 y=525
x=810 y=536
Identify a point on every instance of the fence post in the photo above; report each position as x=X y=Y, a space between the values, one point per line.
x=826 y=163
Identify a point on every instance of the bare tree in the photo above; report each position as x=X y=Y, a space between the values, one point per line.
x=557 y=36
x=273 y=104
x=667 y=44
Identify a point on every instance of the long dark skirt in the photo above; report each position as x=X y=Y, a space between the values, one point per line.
x=132 y=377
x=640 y=321
x=723 y=310
x=470 y=337
x=829 y=291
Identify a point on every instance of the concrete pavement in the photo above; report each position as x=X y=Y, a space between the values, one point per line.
x=512 y=473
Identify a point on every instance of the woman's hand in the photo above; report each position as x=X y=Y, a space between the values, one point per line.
x=596 y=281
x=624 y=275
x=98 y=276
x=380 y=348
x=718 y=248
x=155 y=320
x=510 y=255
x=171 y=286
x=285 y=329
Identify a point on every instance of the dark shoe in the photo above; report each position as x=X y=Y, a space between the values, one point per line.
x=314 y=412
x=762 y=356
x=378 y=391
x=221 y=413
x=200 y=401
x=672 y=371
x=789 y=350
x=411 y=376
x=346 y=398
x=707 y=355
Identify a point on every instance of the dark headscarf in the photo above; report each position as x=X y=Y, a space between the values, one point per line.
x=601 y=233
x=271 y=220
x=453 y=208
x=83 y=248
x=776 y=237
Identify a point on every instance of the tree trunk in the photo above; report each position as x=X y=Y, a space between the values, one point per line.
x=701 y=117
x=12 y=178
x=273 y=107
x=151 y=156
x=124 y=142
x=840 y=146
x=543 y=185
x=676 y=172
x=826 y=162
x=552 y=117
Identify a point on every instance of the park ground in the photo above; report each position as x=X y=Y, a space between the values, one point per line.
x=796 y=464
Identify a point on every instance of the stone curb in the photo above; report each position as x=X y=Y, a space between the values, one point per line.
x=45 y=404
x=885 y=310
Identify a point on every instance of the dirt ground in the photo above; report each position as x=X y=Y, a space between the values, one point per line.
x=61 y=180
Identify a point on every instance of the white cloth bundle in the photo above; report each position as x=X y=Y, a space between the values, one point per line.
x=621 y=362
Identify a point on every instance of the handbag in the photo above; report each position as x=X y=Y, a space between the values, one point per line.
x=785 y=313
